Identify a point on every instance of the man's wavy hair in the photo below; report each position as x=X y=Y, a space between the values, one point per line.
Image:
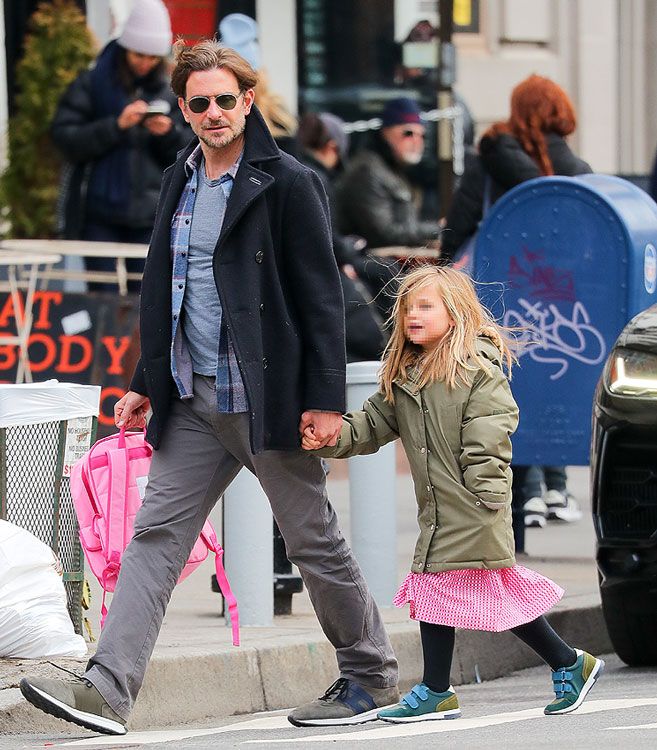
x=456 y=355
x=208 y=54
x=538 y=106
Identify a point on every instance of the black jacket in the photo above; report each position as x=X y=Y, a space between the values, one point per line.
x=83 y=137
x=507 y=164
x=343 y=246
x=376 y=200
x=365 y=339
x=279 y=288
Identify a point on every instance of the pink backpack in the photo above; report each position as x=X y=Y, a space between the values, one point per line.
x=107 y=486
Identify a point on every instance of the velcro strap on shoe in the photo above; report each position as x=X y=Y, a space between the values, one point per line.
x=417 y=691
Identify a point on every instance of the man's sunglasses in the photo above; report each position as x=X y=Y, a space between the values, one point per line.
x=199 y=104
x=412 y=133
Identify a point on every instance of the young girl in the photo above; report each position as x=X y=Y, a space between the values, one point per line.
x=443 y=391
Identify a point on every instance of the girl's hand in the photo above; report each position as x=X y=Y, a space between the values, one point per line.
x=308 y=440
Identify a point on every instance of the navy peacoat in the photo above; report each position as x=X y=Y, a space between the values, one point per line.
x=279 y=288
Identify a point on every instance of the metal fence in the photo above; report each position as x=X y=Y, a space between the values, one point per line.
x=36 y=496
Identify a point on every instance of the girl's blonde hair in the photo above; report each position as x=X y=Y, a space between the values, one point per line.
x=457 y=354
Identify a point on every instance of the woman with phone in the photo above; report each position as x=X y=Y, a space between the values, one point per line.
x=118 y=126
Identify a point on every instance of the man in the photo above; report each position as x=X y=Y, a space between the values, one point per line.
x=375 y=197
x=242 y=340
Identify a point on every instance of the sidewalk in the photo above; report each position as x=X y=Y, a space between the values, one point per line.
x=196 y=673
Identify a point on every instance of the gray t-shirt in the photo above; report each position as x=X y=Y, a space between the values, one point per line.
x=201 y=320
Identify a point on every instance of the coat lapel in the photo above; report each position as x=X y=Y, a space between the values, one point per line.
x=250 y=183
x=162 y=235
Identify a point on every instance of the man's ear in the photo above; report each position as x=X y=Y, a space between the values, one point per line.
x=183 y=108
x=249 y=99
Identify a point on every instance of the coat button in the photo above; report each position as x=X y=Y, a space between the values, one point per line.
x=428 y=488
x=262 y=308
x=423 y=450
x=432 y=527
x=264 y=363
x=477 y=503
x=259 y=256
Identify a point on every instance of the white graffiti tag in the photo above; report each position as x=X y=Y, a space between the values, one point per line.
x=552 y=338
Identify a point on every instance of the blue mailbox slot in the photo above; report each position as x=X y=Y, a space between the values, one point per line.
x=573 y=258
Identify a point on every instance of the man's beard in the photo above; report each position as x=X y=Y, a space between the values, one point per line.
x=412 y=159
x=224 y=139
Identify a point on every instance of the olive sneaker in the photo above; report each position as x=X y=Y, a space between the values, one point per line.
x=423 y=704
x=572 y=684
x=75 y=700
x=345 y=702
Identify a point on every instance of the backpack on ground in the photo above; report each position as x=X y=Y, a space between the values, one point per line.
x=107 y=485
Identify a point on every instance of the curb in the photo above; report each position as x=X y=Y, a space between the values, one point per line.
x=204 y=684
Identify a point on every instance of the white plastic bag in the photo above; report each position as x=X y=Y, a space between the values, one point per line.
x=34 y=622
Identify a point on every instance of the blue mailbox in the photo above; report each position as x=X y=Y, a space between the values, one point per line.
x=570 y=260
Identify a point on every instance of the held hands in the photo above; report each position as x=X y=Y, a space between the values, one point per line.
x=308 y=440
x=131 y=410
x=319 y=428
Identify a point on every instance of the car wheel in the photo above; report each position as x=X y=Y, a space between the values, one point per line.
x=631 y=618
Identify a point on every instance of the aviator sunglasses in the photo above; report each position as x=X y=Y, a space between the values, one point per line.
x=199 y=104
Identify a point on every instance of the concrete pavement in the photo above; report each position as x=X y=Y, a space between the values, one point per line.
x=196 y=673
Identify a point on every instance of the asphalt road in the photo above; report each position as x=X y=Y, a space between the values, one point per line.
x=621 y=711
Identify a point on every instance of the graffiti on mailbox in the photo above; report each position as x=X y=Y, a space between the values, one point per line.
x=550 y=334
x=550 y=337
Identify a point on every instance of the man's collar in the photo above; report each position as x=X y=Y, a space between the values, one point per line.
x=195 y=159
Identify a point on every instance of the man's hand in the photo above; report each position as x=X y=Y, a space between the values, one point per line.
x=132 y=114
x=325 y=427
x=158 y=124
x=131 y=410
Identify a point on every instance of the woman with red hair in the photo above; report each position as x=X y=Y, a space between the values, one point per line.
x=531 y=143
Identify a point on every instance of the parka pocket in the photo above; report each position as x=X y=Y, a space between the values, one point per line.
x=449 y=426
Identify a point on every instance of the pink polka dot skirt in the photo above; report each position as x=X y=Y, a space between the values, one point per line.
x=478 y=599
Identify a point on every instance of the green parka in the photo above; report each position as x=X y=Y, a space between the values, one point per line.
x=458 y=443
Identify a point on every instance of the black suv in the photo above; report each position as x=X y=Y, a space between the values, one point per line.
x=624 y=490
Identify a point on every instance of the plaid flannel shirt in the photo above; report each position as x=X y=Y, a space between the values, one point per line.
x=231 y=394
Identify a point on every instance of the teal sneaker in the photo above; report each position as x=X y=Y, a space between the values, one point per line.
x=572 y=684
x=422 y=704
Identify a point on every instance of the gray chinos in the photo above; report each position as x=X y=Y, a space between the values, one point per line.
x=201 y=453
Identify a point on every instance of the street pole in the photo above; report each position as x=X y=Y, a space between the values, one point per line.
x=446 y=71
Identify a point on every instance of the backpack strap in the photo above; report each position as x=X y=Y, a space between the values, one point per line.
x=210 y=539
x=115 y=541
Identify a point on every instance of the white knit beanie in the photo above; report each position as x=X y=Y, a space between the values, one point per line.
x=148 y=29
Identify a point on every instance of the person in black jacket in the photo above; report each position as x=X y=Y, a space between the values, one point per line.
x=118 y=127
x=531 y=143
x=324 y=147
x=242 y=349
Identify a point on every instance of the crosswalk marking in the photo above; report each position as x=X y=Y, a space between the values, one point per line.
x=170 y=735
x=378 y=731
x=391 y=731
x=634 y=726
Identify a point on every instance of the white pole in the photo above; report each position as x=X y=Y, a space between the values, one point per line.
x=249 y=545
x=372 y=497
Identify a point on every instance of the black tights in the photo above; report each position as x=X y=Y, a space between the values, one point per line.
x=438 y=647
